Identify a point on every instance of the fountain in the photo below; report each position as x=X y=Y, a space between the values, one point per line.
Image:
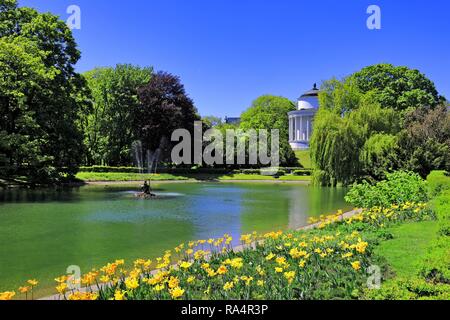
x=151 y=160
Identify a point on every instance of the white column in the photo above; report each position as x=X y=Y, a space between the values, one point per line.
x=301 y=129
x=307 y=129
x=290 y=128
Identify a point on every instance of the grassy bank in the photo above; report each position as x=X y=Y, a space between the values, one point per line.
x=419 y=254
x=408 y=247
x=304 y=158
x=125 y=176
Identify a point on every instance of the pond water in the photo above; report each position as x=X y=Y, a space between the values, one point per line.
x=42 y=232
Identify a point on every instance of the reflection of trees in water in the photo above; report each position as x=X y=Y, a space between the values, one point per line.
x=38 y=195
x=306 y=202
x=265 y=208
x=299 y=207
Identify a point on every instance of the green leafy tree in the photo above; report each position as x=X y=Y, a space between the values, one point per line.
x=212 y=121
x=398 y=88
x=338 y=143
x=425 y=141
x=271 y=112
x=109 y=127
x=379 y=155
x=42 y=96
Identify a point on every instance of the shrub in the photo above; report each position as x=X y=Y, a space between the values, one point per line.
x=399 y=188
x=409 y=289
x=436 y=265
x=302 y=172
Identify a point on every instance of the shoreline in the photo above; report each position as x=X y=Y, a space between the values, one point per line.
x=106 y=183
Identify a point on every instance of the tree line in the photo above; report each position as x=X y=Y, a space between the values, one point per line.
x=53 y=119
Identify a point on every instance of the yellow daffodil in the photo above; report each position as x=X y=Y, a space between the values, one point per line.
x=173 y=282
x=33 y=283
x=246 y=238
x=222 y=270
x=356 y=265
x=260 y=271
x=24 y=289
x=228 y=286
x=237 y=263
x=176 y=292
x=279 y=270
x=159 y=287
x=247 y=280
x=131 y=283
x=211 y=272
x=302 y=263
x=270 y=256
x=61 y=288
x=347 y=255
x=8 y=295
x=119 y=295
x=361 y=246
x=185 y=265
x=120 y=262
x=289 y=276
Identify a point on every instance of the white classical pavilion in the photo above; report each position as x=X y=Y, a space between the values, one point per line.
x=301 y=121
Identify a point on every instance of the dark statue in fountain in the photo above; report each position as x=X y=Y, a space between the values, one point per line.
x=146 y=192
x=150 y=160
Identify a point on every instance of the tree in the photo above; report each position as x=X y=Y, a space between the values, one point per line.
x=425 y=141
x=379 y=155
x=44 y=104
x=109 y=127
x=164 y=107
x=398 y=88
x=23 y=72
x=212 y=121
x=340 y=145
x=271 y=112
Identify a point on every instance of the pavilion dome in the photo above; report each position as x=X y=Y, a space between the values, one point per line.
x=310 y=99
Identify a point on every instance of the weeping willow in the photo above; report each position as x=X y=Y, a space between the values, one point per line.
x=342 y=127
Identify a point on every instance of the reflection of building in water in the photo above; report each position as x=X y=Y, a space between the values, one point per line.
x=298 y=208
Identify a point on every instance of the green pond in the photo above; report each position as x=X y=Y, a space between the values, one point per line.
x=42 y=232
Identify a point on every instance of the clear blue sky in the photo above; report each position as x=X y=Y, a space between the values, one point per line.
x=228 y=52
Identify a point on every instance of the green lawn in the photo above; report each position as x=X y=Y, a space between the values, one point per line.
x=261 y=177
x=119 y=176
x=304 y=158
x=409 y=246
x=125 y=176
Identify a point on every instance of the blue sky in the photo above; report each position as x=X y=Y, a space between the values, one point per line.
x=228 y=52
